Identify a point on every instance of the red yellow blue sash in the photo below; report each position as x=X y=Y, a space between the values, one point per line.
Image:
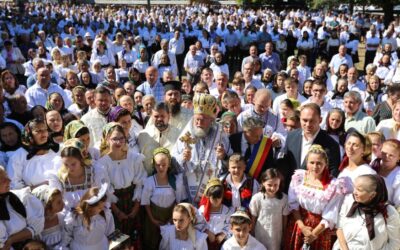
x=258 y=157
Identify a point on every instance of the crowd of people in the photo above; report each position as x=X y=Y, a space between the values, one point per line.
x=198 y=127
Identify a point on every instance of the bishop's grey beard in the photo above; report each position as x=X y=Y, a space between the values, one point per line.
x=200 y=132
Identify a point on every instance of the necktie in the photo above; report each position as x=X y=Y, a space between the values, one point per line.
x=247 y=154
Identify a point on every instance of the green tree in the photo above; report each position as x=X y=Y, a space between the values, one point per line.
x=386 y=5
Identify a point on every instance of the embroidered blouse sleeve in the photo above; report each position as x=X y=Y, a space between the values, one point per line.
x=297 y=180
x=15 y=167
x=100 y=177
x=34 y=213
x=148 y=189
x=140 y=176
x=335 y=194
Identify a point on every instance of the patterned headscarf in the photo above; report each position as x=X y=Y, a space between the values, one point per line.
x=72 y=129
x=28 y=143
x=104 y=147
x=113 y=114
x=48 y=105
x=109 y=126
x=78 y=144
x=205 y=200
x=192 y=216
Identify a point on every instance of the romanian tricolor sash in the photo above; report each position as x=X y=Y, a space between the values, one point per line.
x=258 y=157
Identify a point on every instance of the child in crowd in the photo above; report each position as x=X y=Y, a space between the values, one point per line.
x=291 y=89
x=269 y=209
x=98 y=71
x=307 y=88
x=122 y=72
x=287 y=108
x=161 y=192
x=240 y=227
x=182 y=234
x=238 y=187
x=238 y=87
x=231 y=102
x=53 y=203
x=216 y=214
x=292 y=121
x=377 y=139
x=336 y=97
x=186 y=87
x=90 y=224
x=249 y=94
x=126 y=173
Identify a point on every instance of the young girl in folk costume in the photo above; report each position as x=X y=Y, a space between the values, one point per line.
x=314 y=200
x=53 y=203
x=161 y=192
x=216 y=214
x=183 y=235
x=77 y=173
x=89 y=226
x=269 y=209
x=126 y=174
x=238 y=187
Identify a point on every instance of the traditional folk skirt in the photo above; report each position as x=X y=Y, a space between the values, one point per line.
x=151 y=233
x=294 y=239
x=131 y=227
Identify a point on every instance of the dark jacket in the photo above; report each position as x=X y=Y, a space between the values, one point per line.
x=292 y=154
x=236 y=142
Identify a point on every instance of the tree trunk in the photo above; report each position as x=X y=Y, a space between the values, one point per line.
x=351 y=7
x=388 y=13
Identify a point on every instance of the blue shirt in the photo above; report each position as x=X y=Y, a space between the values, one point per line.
x=270 y=61
x=157 y=90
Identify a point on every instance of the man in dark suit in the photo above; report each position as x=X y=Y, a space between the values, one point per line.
x=247 y=142
x=300 y=140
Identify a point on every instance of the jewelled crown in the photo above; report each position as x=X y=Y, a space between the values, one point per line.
x=205 y=104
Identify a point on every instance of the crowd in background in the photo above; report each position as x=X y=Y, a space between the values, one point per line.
x=198 y=127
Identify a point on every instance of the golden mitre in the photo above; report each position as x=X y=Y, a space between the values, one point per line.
x=205 y=104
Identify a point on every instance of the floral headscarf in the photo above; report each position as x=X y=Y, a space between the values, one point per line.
x=28 y=142
x=48 y=105
x=78 y=144
x=114 y=113
x=72 y=129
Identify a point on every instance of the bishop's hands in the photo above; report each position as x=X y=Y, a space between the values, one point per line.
x=220 y=151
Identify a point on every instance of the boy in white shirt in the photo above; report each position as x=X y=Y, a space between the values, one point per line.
x=240 y=229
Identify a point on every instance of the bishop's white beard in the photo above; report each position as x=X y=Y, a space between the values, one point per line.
x=200 y=132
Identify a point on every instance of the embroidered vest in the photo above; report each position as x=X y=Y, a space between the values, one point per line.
x=246 y=192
